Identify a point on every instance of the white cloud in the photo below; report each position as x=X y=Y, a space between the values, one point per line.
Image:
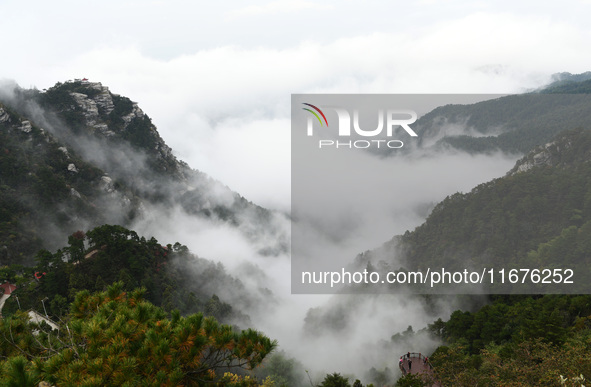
x=275 y=7
x=208 y=104
x=226 y=110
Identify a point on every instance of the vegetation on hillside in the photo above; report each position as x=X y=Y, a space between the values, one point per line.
x=172 y=276
x=117 y=338
x=510 y=124
x=43 y=185
x=538 y=218
x=517 y=341
x=132 y=311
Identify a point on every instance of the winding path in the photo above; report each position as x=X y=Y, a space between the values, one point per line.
x=2 y=301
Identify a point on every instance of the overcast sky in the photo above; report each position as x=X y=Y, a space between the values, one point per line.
x=216 y=77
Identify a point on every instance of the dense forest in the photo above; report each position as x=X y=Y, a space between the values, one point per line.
x=512 y=341
x=95 y=303
x=172 y=277
x=519 y=341
x=71 y=286
x=538 y=215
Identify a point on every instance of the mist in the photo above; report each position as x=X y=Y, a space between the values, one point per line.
x=216 y=81
x=349 y=334
x=230 y=86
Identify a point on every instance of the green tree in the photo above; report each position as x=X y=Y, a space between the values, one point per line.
x=116 y=338
x=283 y=370
x=76 y=249
x=410 y=380
x=18 y=372
x=335 y=380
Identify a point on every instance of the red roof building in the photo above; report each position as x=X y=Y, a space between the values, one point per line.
x=8 y=288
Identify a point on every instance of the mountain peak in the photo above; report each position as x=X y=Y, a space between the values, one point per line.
x=568 y=149
x=91 y=109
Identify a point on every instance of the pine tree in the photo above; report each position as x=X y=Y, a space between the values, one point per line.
x=118 y=338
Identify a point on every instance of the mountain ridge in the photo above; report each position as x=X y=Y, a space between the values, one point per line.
x=107 y=144
x=522 y=219
x=513 y=123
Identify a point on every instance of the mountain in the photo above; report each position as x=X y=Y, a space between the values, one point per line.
x=513 y=123
x=537 y=216
x=568 y=83
x=76 y=155
x=78 y=160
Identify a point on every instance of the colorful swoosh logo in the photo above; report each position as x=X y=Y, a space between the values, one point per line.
x=317 y=110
